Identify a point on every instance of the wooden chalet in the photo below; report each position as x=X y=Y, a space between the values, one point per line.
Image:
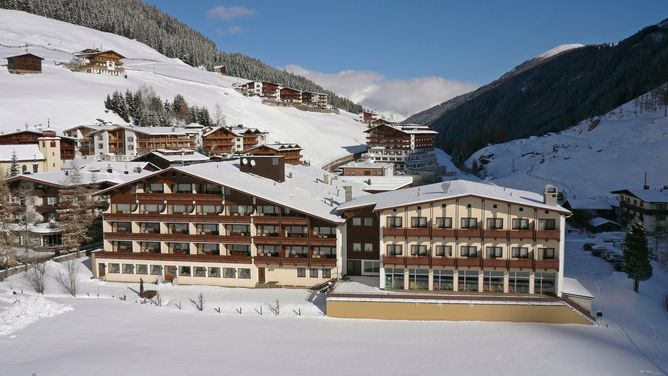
x=314 y=99
x=26 y=63
x=27 y=137
x=287 y=94
x=292 y=153
x=221 y=140
x=100 y=62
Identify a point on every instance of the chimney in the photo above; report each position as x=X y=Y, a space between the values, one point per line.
x=268 y=166
x=325 y=178
x=645 y=187
x=348 y=192
x=550 y=195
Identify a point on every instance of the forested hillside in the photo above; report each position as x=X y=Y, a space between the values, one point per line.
x=147 y=24
x=573 y=86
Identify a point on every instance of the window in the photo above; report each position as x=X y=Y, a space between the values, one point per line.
x=179 y=248
x=492 y=281
x=268 y=250
x=178 y=228
x=268 y=230
x=324 y=252
x=370 y=267
x=156 y=269
x=122 y=227
x=394 y=278
x=238 y=230
x=182 y=209
x=324 y=232
x=520 y=224
x=183 y=188
x=301 y=272
x=547 y=224
x=229 y=273
x=418 y=279
x=124 y=208
x=394 y=250
x=548 y=253
x=238 y=249
x=207 y=229
x=114 y=268
x=128 y=269
x=142 y=269
x=494 y=252
x=444 y=250
x=268 y=210
x=52 y=201
x=208 y=188
x=494 y=223
x=469 y=222
x=444 y=222
x=544 y=283
x=200 y=271
x=123 y=246
x=357 y=247
x=184 y=271
x=153 y=208
x=296 y=231
x=313 y=273
x=214 y=272
x=210 y=209
x=394 y=222
x=357 y=221
x=244 y=273
x=296 y=251
x=468 y=280
x=368 y=221
x=468 y=251
x=156 y=188
x=150 y=228
x=418 y=250
x=368 y=247
x=418 y=222
x=520 y=252
x=518 y=282
x=443 y=280
x=326 y=273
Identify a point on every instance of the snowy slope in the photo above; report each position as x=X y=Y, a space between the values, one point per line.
x=67 y=99
x=557 y=50
x=588 y=160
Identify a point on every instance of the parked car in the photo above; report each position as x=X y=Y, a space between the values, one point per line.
x=610 y=256
x=617 y=258
x=597 y=250
x=588 y=246
x=618 y=266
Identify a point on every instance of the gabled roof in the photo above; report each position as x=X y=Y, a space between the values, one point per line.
x=303 y=190
x=95 y=51
x=62 y=178
x=381 y=183
x=24 y=152
x=646 y=195
x=25 y=55
x=184 y=155
x=277 y=147
x=450 y=190
x=216 y=129
x=406 y=128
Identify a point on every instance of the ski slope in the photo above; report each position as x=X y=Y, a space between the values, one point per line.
x=65 y=99
x=588 y=160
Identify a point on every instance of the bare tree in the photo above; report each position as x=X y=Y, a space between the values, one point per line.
x=199 y=303
x=76 y=211
x=6 y=254
x=69 y=277
x=37 y=275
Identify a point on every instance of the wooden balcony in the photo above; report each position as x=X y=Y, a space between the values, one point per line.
x=200 y=218
x=267 y=239
x=394 y=260
x=548 y=235
x=234 y=219
x=520 y=234
x=323 y=242
x=417 y=261
x=443 y=233
x=394 y=231
x=295 y=261
x=546 y=264
x=443 y=261
x=469 y=262
x=494 y=263
x=418 y=232
x=469 y=233
x=188 y=238
x=267 y=260
x=495 y=234
x=293 y=220
x=266 y=220
x=323 y=262
x=180 y=197
x=520 y=264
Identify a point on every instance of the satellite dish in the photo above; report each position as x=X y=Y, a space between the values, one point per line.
x=244 y=161
x=252 y=162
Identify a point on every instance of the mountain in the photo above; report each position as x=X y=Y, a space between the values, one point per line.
x=145 y=23
x=66 y=98
x=552 y=93
x=592 y=158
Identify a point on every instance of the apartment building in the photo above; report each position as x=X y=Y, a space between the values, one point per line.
x=407 y=146
x=367 y=169
x=458 y=236
x=292 y=153
x=651 y=205
x=125 y=142
x=246 y=223
x=225 y=140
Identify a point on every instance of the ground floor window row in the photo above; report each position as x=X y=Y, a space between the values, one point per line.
x=180 y=271
x=471 y=281
x=490 y=252
x=314 y=273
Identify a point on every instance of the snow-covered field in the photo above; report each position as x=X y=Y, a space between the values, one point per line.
x=67 y=99
x=106 y=336
x=587 y=163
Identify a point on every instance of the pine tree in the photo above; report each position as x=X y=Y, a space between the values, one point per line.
x=14 y=165
x=5 y=219
x=76 y=211
x=636 y=254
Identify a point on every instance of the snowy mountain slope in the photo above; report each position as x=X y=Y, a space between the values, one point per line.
x=590 y=159
x=67 y=99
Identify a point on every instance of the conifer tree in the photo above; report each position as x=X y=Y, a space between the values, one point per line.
x=14 y=165
x=636 y=254
x=76 y=211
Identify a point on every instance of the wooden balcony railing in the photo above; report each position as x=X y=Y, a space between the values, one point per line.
x=443 y=233
x=418 y=232
x=394 y=231
x=439 y=261
x=546 y=264
x=548 y=235
x=469 y=233
x=174 y=257
x=521 y=264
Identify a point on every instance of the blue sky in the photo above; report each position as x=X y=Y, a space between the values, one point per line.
x=471 y=42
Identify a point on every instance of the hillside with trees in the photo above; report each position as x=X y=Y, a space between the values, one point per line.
x=147 y=24
x=556 y=94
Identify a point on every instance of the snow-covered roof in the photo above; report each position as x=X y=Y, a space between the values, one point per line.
x=185 y=155
x=590 y=203
x=63 y=178
x=366 y=165
x=599 y=221
x=572 y=286
x=27 y=152
x=102 y=166
x=646 y=195
x=449 y=190
x=278 y=146
x=407 y=128
x=303 y=190
x=381 y=183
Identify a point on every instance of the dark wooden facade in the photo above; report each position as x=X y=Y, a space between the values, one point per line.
x=26 y=63
x=67 y=145
x=291 y=152
x=219 y=141
x=287 y=94
x=361 y=233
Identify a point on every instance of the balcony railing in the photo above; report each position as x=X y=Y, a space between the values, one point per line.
x=394 y=231
x=424 y=231
x=440 y=261
x=471 y=233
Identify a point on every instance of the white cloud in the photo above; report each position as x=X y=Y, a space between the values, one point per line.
x=397 y=98
x=224 y=13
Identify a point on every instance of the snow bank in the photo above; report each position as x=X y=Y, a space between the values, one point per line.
x=27 y=310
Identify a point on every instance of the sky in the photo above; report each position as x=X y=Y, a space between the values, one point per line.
x=373 y=51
